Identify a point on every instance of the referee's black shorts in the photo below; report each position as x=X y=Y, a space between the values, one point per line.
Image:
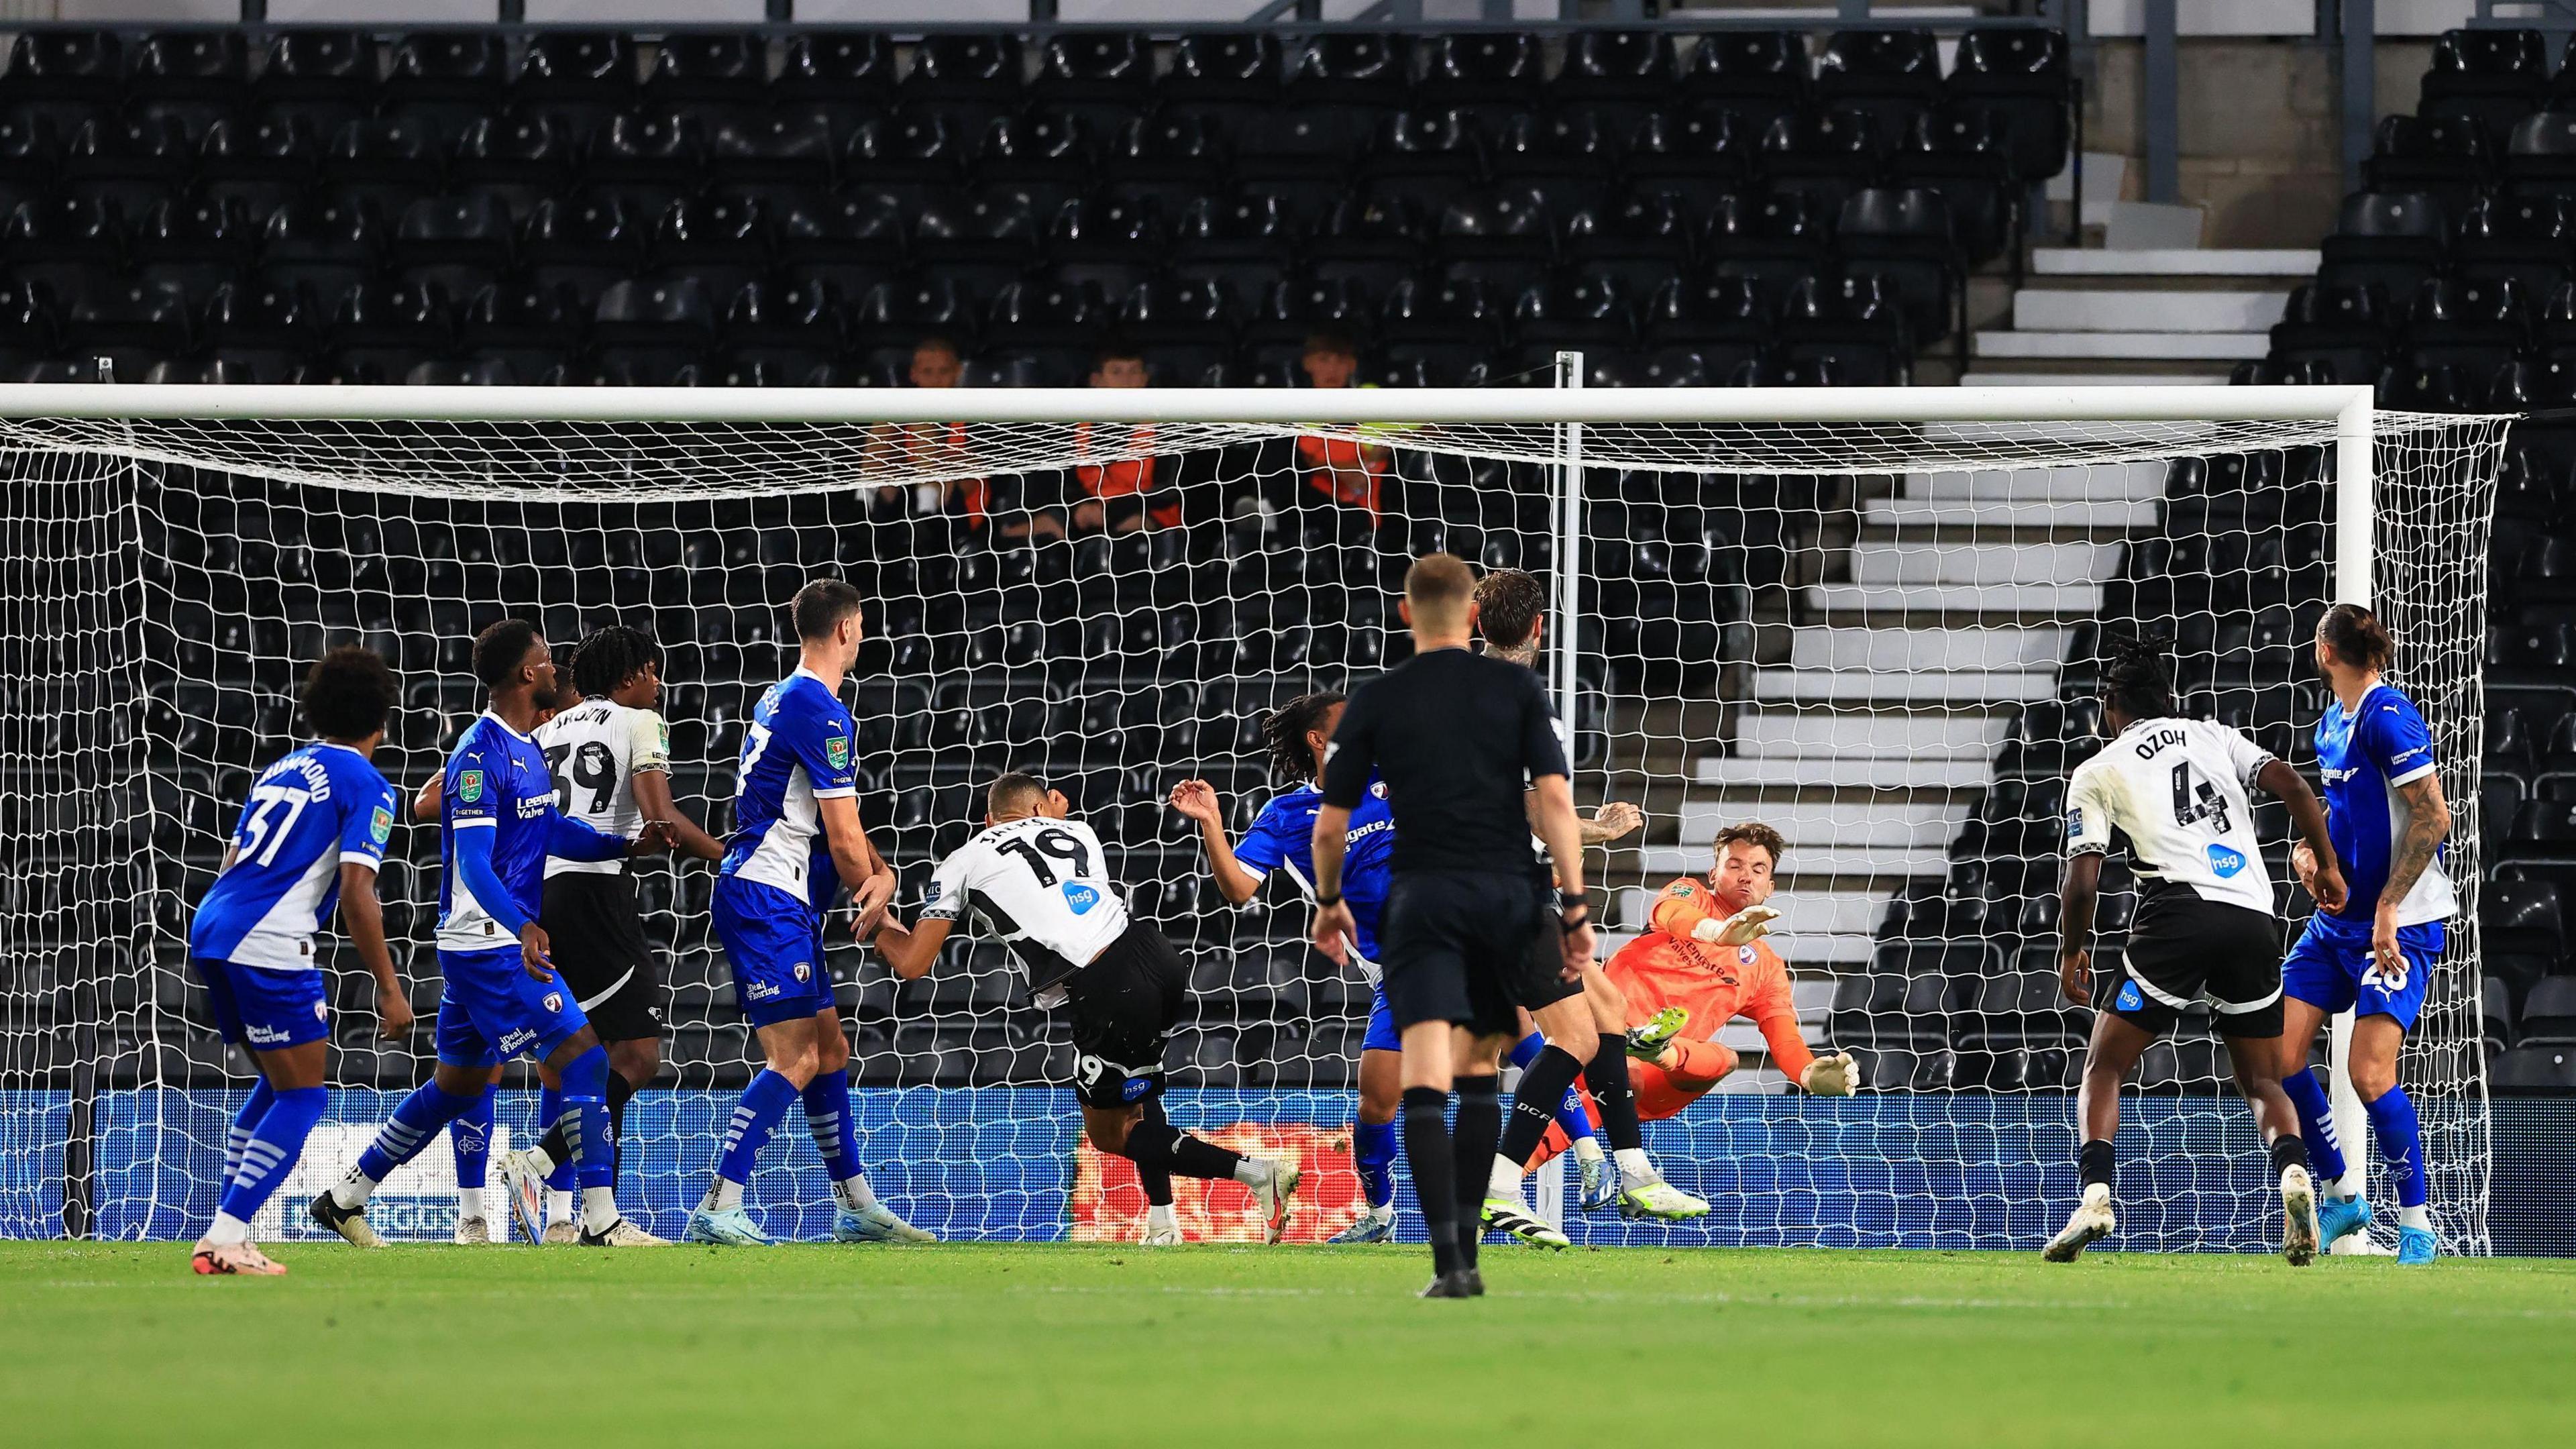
x=596 y=935
x=2183 y=948
x=1466 y=947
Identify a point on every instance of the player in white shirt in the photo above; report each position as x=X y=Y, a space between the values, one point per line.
x=2177 y=790
x=1039 y=881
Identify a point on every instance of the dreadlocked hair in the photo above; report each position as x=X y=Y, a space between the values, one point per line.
x=1284 y=730
x=2136 y=677
x=610 y=657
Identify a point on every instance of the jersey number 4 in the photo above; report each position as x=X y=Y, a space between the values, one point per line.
x=1063 y=845
x=593 y=769
x=2195 y=799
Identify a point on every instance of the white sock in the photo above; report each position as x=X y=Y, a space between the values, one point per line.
x=1381 y=1212
x=1252 y=1172
x=598 y=1209
x=542 y=1163
x=855 y=1194
x=1587 y=1149
x=1160 y=1215
x=1505 y=1179
x=1635 y=1166
x=354 y=1190
x=558 y=1204
x=2415 y=1217
x=2097 y=1193
x=228 y=1229
x=722 y=1197
x=469 y=1202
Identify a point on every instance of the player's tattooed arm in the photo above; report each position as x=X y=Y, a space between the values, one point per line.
x=2077 y=896
x=1611 y=821
x=365 y=918
x=1197 y=799
x=2428 y=824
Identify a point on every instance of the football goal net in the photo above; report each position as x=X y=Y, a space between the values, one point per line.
x=1869 y=618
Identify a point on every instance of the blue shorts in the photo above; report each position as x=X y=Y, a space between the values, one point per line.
x=2331 y=968
x=491 y=1010
x=774 y=943
x=1382 y=1035
x=262 y=1009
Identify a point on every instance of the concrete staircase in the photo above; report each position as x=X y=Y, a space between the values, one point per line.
x=2181 y=315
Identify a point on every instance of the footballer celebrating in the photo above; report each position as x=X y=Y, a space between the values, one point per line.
x=312 y=834
x=2177 y=790
x=1039 y=881
x=2371 y=953
x=797 y=840
x=497 y=825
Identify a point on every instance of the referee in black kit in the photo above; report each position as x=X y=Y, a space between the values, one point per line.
x=1469 y=930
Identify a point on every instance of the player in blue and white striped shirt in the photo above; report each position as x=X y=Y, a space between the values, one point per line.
x=2375 y=956
x=498 y=823
x=311 y=836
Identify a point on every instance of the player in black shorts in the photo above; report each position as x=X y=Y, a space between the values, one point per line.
x=2177 y=790
x=1469 y=932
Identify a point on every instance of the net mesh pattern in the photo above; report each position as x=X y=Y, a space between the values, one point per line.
x=1879 y=638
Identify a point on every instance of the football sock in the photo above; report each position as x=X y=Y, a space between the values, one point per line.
x=836 y=1137
x=245 y=1123
x=754 y=1118
x=1156 y=1181
x=469 y=1137
x=1636 y=1166
x=401 y=1139
x=1373 y=1149
x=558 y=1205
x=1543 y=1087
x=1607 y=1075
x=1587 y=1149
x=1480 y=1121
x=274 y=1145
x=554 y=1148
x=1435 y=1172
x=1157 y=1145
x=2401 y=1143
x=585 y=1124
x=2417 y=1217
x=2316 y=1124
x=1160 y=1215
x=2288 y=1152
x=2093 y=1163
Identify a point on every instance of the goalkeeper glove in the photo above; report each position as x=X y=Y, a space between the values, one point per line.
x=1834 y=1076
x=1738 y=929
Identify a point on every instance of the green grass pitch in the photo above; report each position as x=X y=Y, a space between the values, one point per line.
x=1030 y=1346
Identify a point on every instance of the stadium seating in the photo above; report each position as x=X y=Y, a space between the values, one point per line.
x=340 y=159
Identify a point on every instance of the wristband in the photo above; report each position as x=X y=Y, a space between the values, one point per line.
x=1573 y=901
x=1569 y=927
x=1326 y=903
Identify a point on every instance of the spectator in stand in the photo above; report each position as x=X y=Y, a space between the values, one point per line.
x=953 y=490
x=1122 y=493
x=1348 y=474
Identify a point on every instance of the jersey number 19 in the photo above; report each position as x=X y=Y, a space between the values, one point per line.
x=1060 y=844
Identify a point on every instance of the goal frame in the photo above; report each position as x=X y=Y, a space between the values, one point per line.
x=1567 y=409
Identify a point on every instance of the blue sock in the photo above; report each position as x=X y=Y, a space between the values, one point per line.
x=2316 y=1123
x=273 y=1147
x=1373 y=1148
x=550 y=1110
x=1526 y=1050
x=470 y=1138
x=2401 y=1144
x=763 y=1103
x=245 y=1123
x=585 y=1096
x=836 y=1134
x=411 y=1128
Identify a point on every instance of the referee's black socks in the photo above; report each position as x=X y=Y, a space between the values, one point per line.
x=1156 y=1146
x=1534 y=1103
x=1435 y=1172
x=1480 y=1122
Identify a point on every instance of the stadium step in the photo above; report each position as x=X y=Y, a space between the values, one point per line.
x=2286 y=262
x=1811 y=867
x=2098 y=375
x=2114 y=516
x=2136 y=482
x=2152 y=346
x=2051 y=564
x=1867 y=822
x=1926 y=649
x=2024 y=602
x=1901 y=685
x=1812 y=741
x=1828 y=773
x=2163 y=310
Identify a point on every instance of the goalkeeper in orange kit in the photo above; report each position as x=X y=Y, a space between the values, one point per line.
x=1702 y=965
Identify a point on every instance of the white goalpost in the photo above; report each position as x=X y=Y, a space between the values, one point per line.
x=1868 y=616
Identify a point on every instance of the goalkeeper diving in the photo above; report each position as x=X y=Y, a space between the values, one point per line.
x=1703 y=964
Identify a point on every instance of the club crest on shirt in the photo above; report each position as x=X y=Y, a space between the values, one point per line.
x=554 y=1001
x=469 y=786
x=1744 y=954
x=804 y=970
x=1378 y=788
x=837 y=750
x=1081 y=898
x=321 y=1011
x=380 y=828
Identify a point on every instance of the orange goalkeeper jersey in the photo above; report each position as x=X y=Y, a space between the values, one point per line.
x=1714 y=984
